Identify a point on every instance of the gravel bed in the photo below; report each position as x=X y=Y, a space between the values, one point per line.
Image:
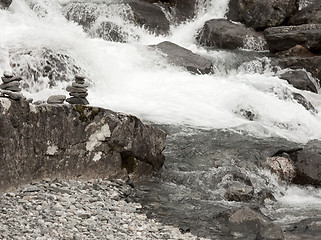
x=76 y=210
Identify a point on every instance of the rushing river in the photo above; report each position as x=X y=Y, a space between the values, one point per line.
x=209 y=136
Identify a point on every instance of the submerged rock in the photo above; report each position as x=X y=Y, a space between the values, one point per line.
x=222 y=33
x=73 y=141
x=309 y=228
x=180 y=56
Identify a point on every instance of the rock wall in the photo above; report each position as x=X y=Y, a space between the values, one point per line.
x=72 y=141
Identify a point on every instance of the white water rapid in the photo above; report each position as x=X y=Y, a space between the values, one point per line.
x=130 y=78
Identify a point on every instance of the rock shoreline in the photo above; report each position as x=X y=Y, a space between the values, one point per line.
x=62 y=209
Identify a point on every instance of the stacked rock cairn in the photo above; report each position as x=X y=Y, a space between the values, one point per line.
x=10 y=86
x=78 y=91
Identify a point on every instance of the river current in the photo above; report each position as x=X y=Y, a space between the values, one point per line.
x=209 y=136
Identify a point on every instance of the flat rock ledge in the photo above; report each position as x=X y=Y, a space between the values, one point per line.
x=60 y=209
x=74 y=141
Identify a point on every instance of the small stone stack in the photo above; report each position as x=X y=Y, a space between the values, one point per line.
x=78 y=91
x=10 y=86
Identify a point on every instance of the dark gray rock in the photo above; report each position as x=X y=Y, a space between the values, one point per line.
x=4 y=4
x=309 y=14
x=299 y=79
x=73 y=141
x=179 y=56
x=76 y=89
x=308 y=228
x=10 y=79
x=308 y=165
x=271 y=232
x=12 y=95
x=311 y=64
x=79 y=95
x=285 y=37
x=222 y=33
x=244 y=222
x=239 y=192
x=77 y=100
x=149 y=16
x=304 y=102
x=12 y=86
x=261 y=14
x=56 y=99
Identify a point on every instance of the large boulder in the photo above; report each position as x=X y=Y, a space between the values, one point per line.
x=308 y=165
x=42 y=67
x=71 y=141
x=309 y=14
x=300 y=80
x=286 y=37
x=261 y=14
x=4 y=4
x=183 y=57
x=222 y=33
x=149 y=16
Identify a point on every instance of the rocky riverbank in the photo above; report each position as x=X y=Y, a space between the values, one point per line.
x=61 y=209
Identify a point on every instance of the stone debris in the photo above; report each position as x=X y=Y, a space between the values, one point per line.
x=78 y=91
x=96 y=209
x=10 y=86
x=56 y=99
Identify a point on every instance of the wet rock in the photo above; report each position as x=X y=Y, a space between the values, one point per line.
x=222 y=33
x=304 y=102
x=239 y=192
x=308 y=167
x=56 y=99
x=285 y=37
x=300 y=80
x=149 y=16
x=306 y=229
x=4 y=4
x=72 y=141
x=265 y=195
x=296 y=51
x=282 y=166
x=261 y=14
x=270 y=232
x=309 y=14
x=42 y=67
x=183 y=57
x=77 y=100
x=310 y=64
x=244 y=222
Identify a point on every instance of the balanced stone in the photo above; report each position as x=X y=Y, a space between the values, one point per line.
x=8 y=74
x=75 y=100
x=13 y=95
x=56 y=99
x=79 y=85
x=9 y=85
x=78 y=95
x=10 y=79
x=76 y=89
